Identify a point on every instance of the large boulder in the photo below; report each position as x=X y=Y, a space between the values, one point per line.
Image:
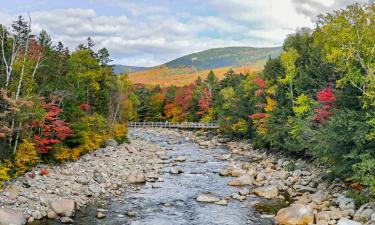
x=242 y=180
x=11 y=217
x=270 y=191
x=345 y=221
x=63 y=207
x=136 y=177
x=296 y=214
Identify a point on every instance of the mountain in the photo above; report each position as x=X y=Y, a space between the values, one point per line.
x=118 y=69
x=186 y=69
x=224 y=57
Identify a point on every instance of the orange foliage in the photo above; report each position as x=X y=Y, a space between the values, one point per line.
x=182 y=76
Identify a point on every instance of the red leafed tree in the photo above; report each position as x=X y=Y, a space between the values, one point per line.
x=184 y=97
x=50 y=130
x=205 y=101
x=326 y=98
x=259 y=82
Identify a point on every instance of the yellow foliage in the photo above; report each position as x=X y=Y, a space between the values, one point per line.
x=62 y=154
x=4 y=176
x=92 y=141
x=271 y=90
x=119 y=132
x=209 y=116
x=26 y=156
x=240 y=126
x=302 y=105
x=271 y=104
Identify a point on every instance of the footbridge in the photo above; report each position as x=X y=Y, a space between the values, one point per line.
x=182 y=125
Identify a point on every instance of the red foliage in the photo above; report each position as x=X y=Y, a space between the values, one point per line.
x=50 y=130
x=258 y=116
x=31 y=175
x=84 y=106
x=260 y=82
x=327 y=98
x=43 y=172
x=184 y=97
x=205 y=101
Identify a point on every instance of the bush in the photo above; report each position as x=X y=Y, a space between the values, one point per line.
x=26 y=156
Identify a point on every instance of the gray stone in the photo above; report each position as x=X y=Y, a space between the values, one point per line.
x=136 y=177
x=346 y=204
x=242 y=180
x=345 y=221
x=270 y=191
x=67 y=220
x=363 y=214
x=11 y=217
x=207 y=197
x=111 y=142
x=64 y=207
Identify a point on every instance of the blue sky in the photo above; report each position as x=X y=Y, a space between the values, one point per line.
x=151 y=32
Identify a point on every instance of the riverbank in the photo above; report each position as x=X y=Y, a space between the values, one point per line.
x=253 y=178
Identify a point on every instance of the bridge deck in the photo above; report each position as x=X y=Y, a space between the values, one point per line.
x=192 y=125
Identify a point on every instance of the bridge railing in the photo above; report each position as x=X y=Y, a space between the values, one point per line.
x=192 y=125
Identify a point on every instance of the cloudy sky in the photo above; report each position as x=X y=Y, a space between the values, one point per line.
x=151 y=32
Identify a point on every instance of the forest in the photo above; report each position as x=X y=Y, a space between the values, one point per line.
x=316 y=100
x=55 y=104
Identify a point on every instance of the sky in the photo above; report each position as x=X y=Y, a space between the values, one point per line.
x=152 y=32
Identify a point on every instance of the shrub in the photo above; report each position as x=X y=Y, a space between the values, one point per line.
x=26 y=156
x=4 y=174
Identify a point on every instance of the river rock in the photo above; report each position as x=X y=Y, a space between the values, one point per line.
x=319 y=197
x=270 y=191
x=207 y=197
x=111 y=142
x=296 y=214
x=345 y=221
x=237 y=172
x=51 y=215
x=175 y=170
x=11 y=217
x=66 y=220
x=222 y=202
x=136 y=177
x=225 y=172
x=303 y=189
x=346 y=204
x=261 y=176
x=244 y=191
x=363 y=214
x=180 y=159
x=322 y=217
x=100 y=215
x=242 y=180
x=63 y=207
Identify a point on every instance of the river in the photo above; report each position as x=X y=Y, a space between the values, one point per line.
x=173 y=201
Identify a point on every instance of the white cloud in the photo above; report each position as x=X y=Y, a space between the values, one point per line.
x=150 y=34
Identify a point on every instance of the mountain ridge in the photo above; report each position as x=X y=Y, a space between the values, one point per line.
x=213 y=58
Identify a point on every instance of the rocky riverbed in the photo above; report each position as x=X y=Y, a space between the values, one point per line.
x=175 y=177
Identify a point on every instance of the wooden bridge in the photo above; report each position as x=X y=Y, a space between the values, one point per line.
x=183 y=125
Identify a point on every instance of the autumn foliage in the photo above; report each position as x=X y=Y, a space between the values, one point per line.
x=50 y=130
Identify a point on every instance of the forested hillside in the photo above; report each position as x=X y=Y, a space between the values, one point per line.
x=317 y=99
x=55 y=104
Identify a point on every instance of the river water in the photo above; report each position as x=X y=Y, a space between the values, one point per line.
x=173 y=203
